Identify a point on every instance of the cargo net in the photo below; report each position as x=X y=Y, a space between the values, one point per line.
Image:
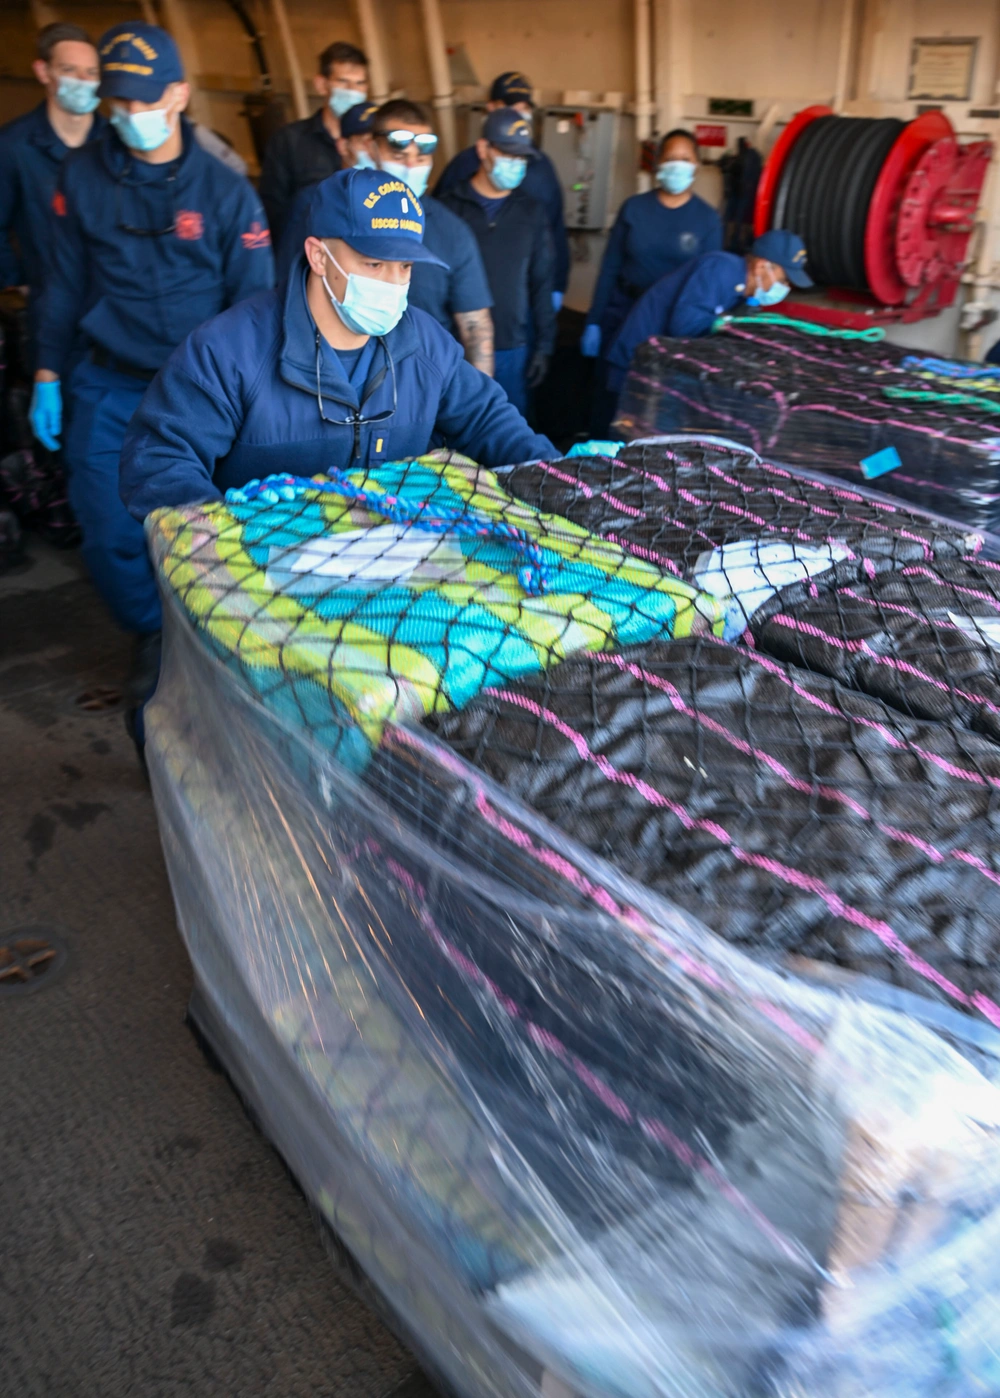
x=927 y=433
x=348 y=602
x=826 y=789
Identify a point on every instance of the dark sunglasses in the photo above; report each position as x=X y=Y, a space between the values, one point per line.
x=402 y=140
x=124 y=227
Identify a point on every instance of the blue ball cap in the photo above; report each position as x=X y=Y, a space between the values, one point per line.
x=137 y=62
x=787 y=251
x=357 y=120
x=375 y=214
x=510 y=88
x=510 y=132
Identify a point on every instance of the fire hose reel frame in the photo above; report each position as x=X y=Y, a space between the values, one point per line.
x=919 y=218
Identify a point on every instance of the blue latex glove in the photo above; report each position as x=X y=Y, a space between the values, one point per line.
x=45 y=413
x=595 y=448
x=590 y=342
x=557 y=300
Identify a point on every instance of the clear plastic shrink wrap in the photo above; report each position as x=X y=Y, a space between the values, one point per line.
x=831 y=404
x=579 y=1144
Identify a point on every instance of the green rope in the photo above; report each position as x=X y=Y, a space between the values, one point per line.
x=873 y=334
x=956 y=400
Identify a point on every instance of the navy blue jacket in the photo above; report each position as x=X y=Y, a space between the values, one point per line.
x=516 y=248
x=443 y=292
x=238 y=400
x=31 y=156
x=648 y=241
x=144 y=253
x=540 y=182
x=683 y=305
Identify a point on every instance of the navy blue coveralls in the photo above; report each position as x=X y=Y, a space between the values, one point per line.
x=684 y=305
x=540 y=183
x=31 y=156
x=142 y=255
x=238 y=400
x=648 y=241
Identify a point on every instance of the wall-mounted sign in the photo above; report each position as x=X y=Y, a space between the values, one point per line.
x=941 y=70
x=730 y=106
x=711 y=135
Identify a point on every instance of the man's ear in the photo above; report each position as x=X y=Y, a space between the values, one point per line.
x=482 y=148
x=315 y=255
x=343 y=149
x=321 y=84
x=41 y=70
x=183 y=94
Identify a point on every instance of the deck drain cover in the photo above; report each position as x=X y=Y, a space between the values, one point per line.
x=30 y=957
x=99 y=699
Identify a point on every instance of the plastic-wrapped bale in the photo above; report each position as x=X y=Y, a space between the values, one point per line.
x=578 y=1144
x=925 y=639
x=790 y=814
x=405 y=590
x=710 y=513
x=828 y=406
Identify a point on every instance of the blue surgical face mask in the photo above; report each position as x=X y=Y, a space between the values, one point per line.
x=369 y=307
x=676 y=176
x=342 y=99
x=143 y=131
x=363 y=161
x=77 y=96
x=416 y=176
x=508 y=171
x=776 y=292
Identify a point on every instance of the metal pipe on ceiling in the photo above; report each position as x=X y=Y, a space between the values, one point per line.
x=444 y=93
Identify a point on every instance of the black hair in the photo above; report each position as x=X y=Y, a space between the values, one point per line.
x=341 y=53
x=399 y=113
x=59 y=33
x=678 y=131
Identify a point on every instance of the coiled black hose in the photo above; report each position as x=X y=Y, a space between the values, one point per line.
x=826 y=187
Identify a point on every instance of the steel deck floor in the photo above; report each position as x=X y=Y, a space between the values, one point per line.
x=153 y=1243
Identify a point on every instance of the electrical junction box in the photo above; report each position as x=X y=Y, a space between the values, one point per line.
x=593 y=151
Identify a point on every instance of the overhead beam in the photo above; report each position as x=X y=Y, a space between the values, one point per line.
x=295 y=78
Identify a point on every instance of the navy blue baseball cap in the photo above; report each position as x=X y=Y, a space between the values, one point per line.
x=787 y=251
x=510 y=88
x=375 y=214
x=510 y=132
x=137 y=62
x=357 y=120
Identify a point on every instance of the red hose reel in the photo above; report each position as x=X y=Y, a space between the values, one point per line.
x=920 y=216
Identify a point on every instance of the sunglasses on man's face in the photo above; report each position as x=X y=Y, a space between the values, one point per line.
x=400 y=141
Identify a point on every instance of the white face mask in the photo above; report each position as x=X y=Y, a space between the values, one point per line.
x=416 y=176
x=142 y=131
x=342 y=99
x=369 y=307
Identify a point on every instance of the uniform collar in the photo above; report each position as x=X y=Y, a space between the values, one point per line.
x=48 y=139
x=297 y=364
x=466 y=192
x=318 y=126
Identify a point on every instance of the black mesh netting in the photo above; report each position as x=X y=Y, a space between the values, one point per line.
x=789 y=813
x=828 y=405
x=674 y=505
x=926 y=639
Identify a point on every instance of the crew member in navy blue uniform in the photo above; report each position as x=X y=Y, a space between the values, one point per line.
x=454 y=290
x=516 y=245
x=654 y=234
x=686 y=303
x=304 y=152
x=331 y=370
x=32 y=150
x=540 y=181
x=152 y=236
